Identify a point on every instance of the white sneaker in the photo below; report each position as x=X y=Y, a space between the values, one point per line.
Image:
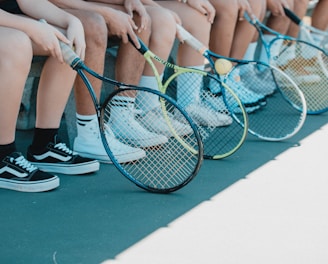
x=154 y=121
x=89 y=144
x=248 y=97
x=215 y=102
x=301 y=75
x=127 y=129
x=205 y=116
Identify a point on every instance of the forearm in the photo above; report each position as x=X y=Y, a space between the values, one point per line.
x=95 y=6
x=46 y=10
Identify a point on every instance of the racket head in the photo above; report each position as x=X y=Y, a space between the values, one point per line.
x=307 y=65
x=161 y=168
x=211 y=104
x=283 y=112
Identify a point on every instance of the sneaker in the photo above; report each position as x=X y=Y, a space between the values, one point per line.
x=302 y=75
x=205 y=116
x=16 y=173
x=57 y=157
x=248 y=97
x=154 y=121
x=260 y=81
x=88 y=144
x=127 y=129
x=214 y=101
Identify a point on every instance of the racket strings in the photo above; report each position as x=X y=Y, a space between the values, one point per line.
x=211 y=106
x=168 y=163
x=308 y=67
x=281 y=115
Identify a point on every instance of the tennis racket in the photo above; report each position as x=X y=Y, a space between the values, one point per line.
x=279 y=108
x=304 y=62
x=221 y=134
x=309 y=33
x=161 y=168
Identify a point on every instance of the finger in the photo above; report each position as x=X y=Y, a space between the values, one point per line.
x=133 y=37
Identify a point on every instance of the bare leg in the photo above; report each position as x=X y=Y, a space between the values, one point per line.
x=196 y=24
x=300 y=7
x=96 y=40
x=14 y=69
x=319 y=15
x=223 y=28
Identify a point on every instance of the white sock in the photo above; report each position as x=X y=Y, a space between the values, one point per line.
x=187 y=94
x=317 y=38
x=120 y=106
x=81 y=124
x=82 y=120
x=249 y=54
x=148 y=101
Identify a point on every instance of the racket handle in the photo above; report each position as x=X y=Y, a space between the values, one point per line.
x=70 y=57
x=292 y=16
x=143 y=48
x=191 y=40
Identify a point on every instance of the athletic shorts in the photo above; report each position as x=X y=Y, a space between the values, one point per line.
x=10 y=6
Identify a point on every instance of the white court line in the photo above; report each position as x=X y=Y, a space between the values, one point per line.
x=277 y=215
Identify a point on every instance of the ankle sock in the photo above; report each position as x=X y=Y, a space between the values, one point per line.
x=41 y=138
x=7 y=149
x=187 y=94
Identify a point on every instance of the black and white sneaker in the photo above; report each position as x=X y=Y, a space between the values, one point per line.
x=58 y=158
x=16 y=173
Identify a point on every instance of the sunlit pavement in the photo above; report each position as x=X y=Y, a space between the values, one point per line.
x=277 y=214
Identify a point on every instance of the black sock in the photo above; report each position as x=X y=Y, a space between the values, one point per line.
x=7 y=149
x=41 y=138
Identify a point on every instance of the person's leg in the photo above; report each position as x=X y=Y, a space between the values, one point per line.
x=16 y=173
x=14 y=69
x=223 y=27
x=47 y=151
x=246 y=34
x=300 y=8
x=319 y=15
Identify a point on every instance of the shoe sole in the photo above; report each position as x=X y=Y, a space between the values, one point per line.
x=37 y=186
x=69 y=169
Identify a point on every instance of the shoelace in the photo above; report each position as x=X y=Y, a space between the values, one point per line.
x=133 y=111
x=23 y=163
x=63 y=147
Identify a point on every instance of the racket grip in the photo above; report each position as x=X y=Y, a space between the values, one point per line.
x=191 y=40
x=292 y=16
x=70 y=57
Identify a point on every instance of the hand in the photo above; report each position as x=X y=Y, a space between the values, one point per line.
x=204 y=7
x=244 y=6
x=276 y=7
x=136 y=6
x=121 y=25
x=46 y=38
x=75 y=34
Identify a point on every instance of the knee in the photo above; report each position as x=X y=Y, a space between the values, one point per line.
x=166 y=33
x=227 y=10
x=16 y=51
x=95 y=30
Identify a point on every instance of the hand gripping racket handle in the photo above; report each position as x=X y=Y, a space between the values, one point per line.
x=143 y=48
x=191 y=40
x=69 y=56
x=292 y=16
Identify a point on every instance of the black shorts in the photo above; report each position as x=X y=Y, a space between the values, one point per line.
x=10 y=6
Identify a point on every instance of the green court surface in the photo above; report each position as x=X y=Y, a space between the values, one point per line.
x=264 y=204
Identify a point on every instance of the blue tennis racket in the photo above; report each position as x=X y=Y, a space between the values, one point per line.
x=278 y=111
